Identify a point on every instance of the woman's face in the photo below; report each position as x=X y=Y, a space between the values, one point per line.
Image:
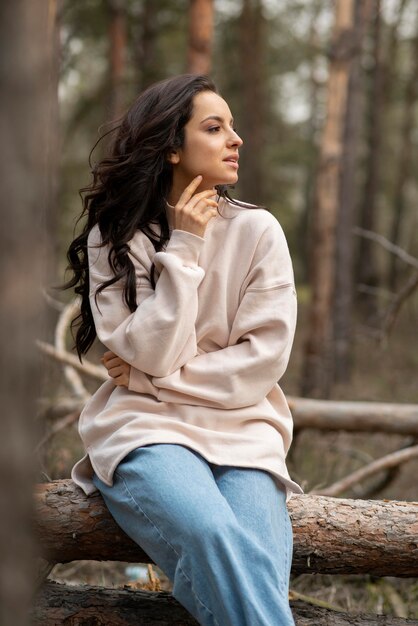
x=210 y=146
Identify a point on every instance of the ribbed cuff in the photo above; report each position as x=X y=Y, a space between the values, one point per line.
x=185 y=245
x=140 y=383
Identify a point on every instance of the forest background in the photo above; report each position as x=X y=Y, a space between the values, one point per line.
x=324 y=94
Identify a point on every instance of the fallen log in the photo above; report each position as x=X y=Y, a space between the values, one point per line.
x=331 y=535
x=399 y=419
x=85 y=605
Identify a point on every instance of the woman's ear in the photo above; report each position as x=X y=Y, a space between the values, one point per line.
x=173 y=157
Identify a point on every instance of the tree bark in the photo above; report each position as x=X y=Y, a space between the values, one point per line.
x=378 y=417
x=147 y=56
x=26 y=34
x=367 y=271
x=85 y=605
x=117 y=52
x=317 y=375
x=312 y=125
x=404 y=161
x=333 y=536
x=53 y=156
x=199 y=54
x=251 y=38
x=344 y=267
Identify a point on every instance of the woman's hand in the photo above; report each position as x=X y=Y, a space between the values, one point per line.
x=193 y=212
x=117 y=368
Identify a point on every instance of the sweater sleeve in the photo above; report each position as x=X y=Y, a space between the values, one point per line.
x=243 y=373
x=159 y=336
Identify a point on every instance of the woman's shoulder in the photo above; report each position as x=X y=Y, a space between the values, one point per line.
x=94 y=237
x=141 y=249
x=96 y=251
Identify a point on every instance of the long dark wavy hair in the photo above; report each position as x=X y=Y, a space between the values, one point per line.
x=129 y=190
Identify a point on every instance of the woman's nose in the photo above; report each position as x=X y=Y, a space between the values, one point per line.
x=235 y=139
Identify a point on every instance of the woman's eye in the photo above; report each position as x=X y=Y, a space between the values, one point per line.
x=213 y=128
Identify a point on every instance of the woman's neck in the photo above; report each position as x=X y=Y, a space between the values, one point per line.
x=179 y=186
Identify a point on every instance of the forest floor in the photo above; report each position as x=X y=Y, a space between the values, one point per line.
x=382 y=373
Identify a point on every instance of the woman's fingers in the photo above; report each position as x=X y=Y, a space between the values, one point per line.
x=194 y=210
x=190 y=199
x=202 y=207
x=199 y=200
x=117 y=368
x=112 y=362
x=189 y=191
x=203 y=200
x=114 y=372
x=120 y=375
x=107 y=356
x=110 y=359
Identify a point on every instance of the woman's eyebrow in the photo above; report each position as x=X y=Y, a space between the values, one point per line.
x=216 y=117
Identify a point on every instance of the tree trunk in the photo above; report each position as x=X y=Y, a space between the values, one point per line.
x=85 y=605
x=372 y=417
x=317 y=374
x=26 y=43
x=304 y=225
x=52 y=168
x=367 y=271
x=117 y=52
x=251 y=37
x=344 y=270
x=333 y=536
x=53 y=156
x=404 y=162
x=199 y=54
x=146 y=52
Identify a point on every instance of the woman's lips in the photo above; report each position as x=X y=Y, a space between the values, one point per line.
x=232 y=163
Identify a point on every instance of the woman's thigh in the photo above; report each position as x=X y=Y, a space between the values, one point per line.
x=258 y=501
x=166 y=493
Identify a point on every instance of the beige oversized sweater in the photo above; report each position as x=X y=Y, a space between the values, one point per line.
x=206 y=348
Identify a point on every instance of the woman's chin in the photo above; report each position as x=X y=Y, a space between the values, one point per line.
x=230 y=180
x=213 y=181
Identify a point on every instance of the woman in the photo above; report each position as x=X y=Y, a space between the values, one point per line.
x=193 y=295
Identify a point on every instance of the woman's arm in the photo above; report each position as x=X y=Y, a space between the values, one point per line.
x=159 y=337
x=241 y=374
x=261 y=338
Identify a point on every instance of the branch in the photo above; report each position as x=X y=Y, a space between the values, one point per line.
x=57 y=427
x=98 y=372
x=388 y=245
x=400 y=298
x=64 y=320
x=52 y=302
x=296 y=595
x=390 y=460
x=55 y=408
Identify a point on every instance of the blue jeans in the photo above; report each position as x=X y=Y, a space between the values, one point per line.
x=221 y=534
